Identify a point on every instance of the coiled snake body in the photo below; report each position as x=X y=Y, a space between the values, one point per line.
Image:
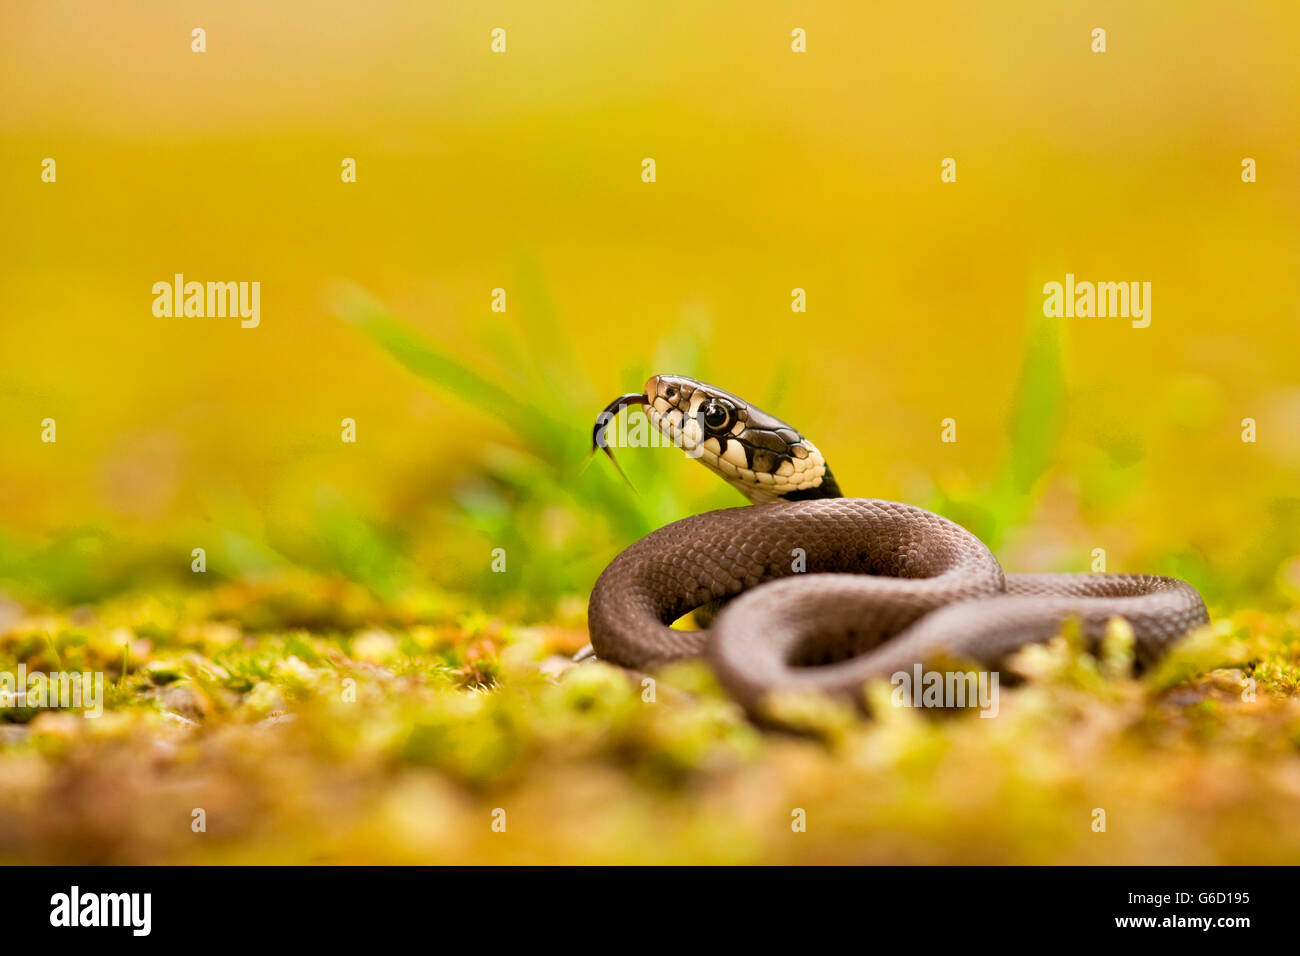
x=851 y=588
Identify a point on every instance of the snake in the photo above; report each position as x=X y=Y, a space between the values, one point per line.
x=823 y=593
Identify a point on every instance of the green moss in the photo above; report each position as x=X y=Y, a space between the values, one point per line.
x=390 y=742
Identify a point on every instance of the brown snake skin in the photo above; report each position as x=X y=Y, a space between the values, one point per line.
x=885 y=586
x=835 y=590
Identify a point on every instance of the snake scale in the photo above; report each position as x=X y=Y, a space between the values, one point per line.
x=824 y=592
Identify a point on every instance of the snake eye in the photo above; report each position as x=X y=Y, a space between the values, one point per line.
x=670 y=392
x=716 y=416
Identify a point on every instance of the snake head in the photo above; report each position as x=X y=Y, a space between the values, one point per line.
x=754 y=452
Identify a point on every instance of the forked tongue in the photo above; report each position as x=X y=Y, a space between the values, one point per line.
x=602 y=422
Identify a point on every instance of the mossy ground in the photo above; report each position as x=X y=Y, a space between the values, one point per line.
x=312 y=723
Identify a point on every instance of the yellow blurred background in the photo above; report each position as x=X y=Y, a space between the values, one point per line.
x=775 y=170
